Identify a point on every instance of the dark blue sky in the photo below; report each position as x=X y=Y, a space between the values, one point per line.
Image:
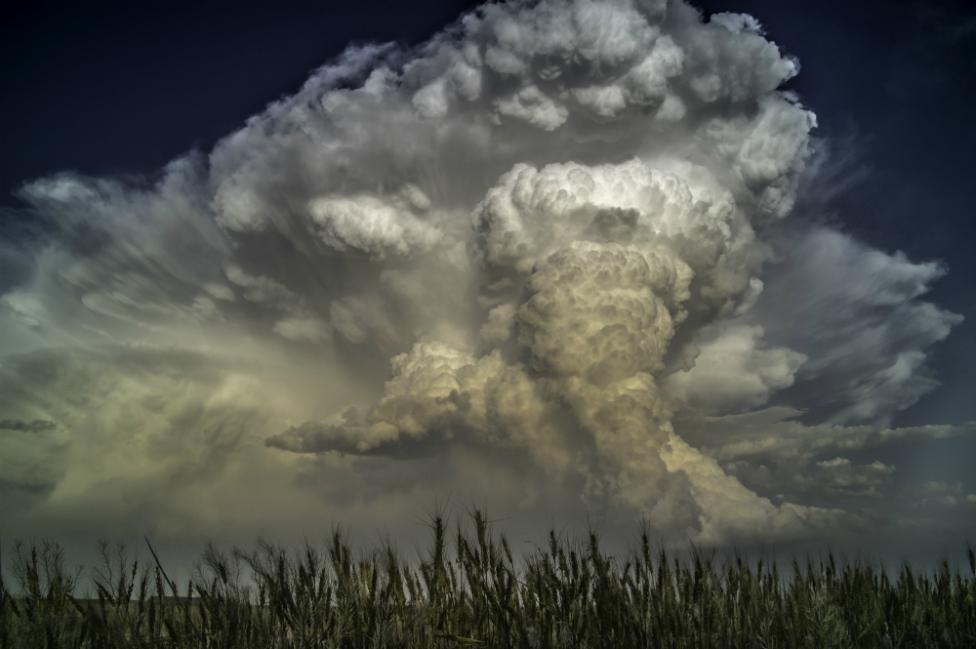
x=122 y=88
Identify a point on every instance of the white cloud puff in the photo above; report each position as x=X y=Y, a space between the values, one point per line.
x=734 y=370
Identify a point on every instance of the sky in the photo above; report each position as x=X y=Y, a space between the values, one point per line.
x=705 y=266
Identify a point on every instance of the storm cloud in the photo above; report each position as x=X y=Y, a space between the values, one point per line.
x=543 y=261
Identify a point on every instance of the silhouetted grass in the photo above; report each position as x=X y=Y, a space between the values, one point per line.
x=474 y=593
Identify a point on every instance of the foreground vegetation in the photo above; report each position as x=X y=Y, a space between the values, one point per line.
x=474 y=593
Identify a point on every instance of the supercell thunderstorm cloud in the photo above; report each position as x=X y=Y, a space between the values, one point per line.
x=547 y=262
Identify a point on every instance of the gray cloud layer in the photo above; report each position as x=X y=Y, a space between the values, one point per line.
x=497 y=267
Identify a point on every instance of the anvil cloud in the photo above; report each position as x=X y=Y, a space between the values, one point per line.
x=544 y=262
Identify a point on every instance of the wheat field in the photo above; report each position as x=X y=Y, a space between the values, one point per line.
x=468 y=590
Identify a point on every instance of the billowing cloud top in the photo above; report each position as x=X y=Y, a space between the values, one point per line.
x=540 y=262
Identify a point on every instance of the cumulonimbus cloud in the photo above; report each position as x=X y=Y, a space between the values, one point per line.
x=535 y=237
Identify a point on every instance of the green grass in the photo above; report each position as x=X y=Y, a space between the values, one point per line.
x=469 y=591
